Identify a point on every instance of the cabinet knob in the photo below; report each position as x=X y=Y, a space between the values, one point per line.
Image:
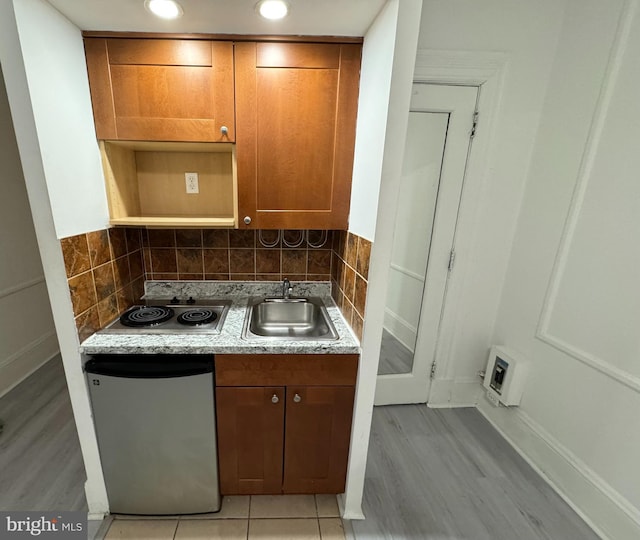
x=247 y=220
x=274 y=398
x=297 y=398
x=224 y=130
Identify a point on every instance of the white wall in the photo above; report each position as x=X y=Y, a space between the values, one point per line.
x=381 y=130
x=32 y=151
x=373 y=108
x=27 y=335
x=59 y=89
x=525 y=34
x=571 y=299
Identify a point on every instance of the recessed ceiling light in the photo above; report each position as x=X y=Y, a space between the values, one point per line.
x=165 y=9
x=273 y=9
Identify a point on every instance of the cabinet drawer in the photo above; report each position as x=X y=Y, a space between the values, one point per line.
x=286 y=369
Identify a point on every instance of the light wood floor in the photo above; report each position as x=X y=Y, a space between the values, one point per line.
x=432 y=474
x=40 y=463
x=446 y=474
x=394 y=356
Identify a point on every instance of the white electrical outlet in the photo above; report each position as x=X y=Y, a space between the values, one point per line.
x=191 y=179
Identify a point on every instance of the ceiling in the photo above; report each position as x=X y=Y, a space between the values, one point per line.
x=307 y=17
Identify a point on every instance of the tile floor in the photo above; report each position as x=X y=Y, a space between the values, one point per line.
x=263 y=517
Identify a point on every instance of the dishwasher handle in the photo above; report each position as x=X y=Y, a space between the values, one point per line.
x=156 y=366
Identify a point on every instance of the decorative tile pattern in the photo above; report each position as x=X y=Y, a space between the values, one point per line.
x=118 y=239
x=76 y=254
x=104 y=281
x=214 y=238
x=242 y=261
x=108 y=309
x=263 y=255
x=99 y=248
x=105 y=273
x=88 y=322
x=83 y=292
x=189 y=238
x=117 y=261
x=349 y=277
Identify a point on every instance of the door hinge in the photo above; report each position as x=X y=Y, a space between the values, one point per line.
x=433 y=371
x=452 y=260
x=474 y=126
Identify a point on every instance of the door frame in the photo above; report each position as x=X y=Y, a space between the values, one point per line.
x=459 y=104
x=485 y=71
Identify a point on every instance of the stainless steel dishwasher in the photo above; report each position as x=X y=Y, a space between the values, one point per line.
x=155 y=421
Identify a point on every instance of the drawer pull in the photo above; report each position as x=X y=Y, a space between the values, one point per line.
x=274 y=398
x=297 y=398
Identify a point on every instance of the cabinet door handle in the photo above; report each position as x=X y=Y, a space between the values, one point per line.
x=297 y=398
x=247 y=220
x=274 y=398
x=224 y=130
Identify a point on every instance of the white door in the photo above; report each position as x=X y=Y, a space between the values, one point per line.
x=438 y=141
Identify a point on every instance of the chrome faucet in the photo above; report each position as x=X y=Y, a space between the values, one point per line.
x=287 y=289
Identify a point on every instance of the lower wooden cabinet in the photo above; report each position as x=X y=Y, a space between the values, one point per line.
x=290 y=438
x=250 y=443
x=316 y=438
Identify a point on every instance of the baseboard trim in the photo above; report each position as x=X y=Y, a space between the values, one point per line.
x=452 y=393
x=31 y=358
x=36 y=343
x=21 y=286
x=607 y=512
x=400 y=329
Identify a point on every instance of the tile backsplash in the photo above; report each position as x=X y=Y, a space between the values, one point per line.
x=240 y=255
x=349 y=277
x=105 y=272
x=106 y=269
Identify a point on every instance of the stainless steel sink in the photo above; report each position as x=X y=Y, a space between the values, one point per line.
x=299 y=319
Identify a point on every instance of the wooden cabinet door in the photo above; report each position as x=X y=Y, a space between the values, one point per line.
x=250 y=439
x=161 y=89
x=296 y=106
x=317 y=435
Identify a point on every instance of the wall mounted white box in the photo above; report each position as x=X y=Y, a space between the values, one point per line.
x=505 y=376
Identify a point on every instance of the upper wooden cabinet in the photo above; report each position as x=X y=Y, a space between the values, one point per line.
x=296 y=106
x=162 y=89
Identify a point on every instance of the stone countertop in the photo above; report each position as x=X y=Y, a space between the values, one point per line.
x=229 y=340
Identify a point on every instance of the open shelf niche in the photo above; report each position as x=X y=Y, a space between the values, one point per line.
x=145 y=184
